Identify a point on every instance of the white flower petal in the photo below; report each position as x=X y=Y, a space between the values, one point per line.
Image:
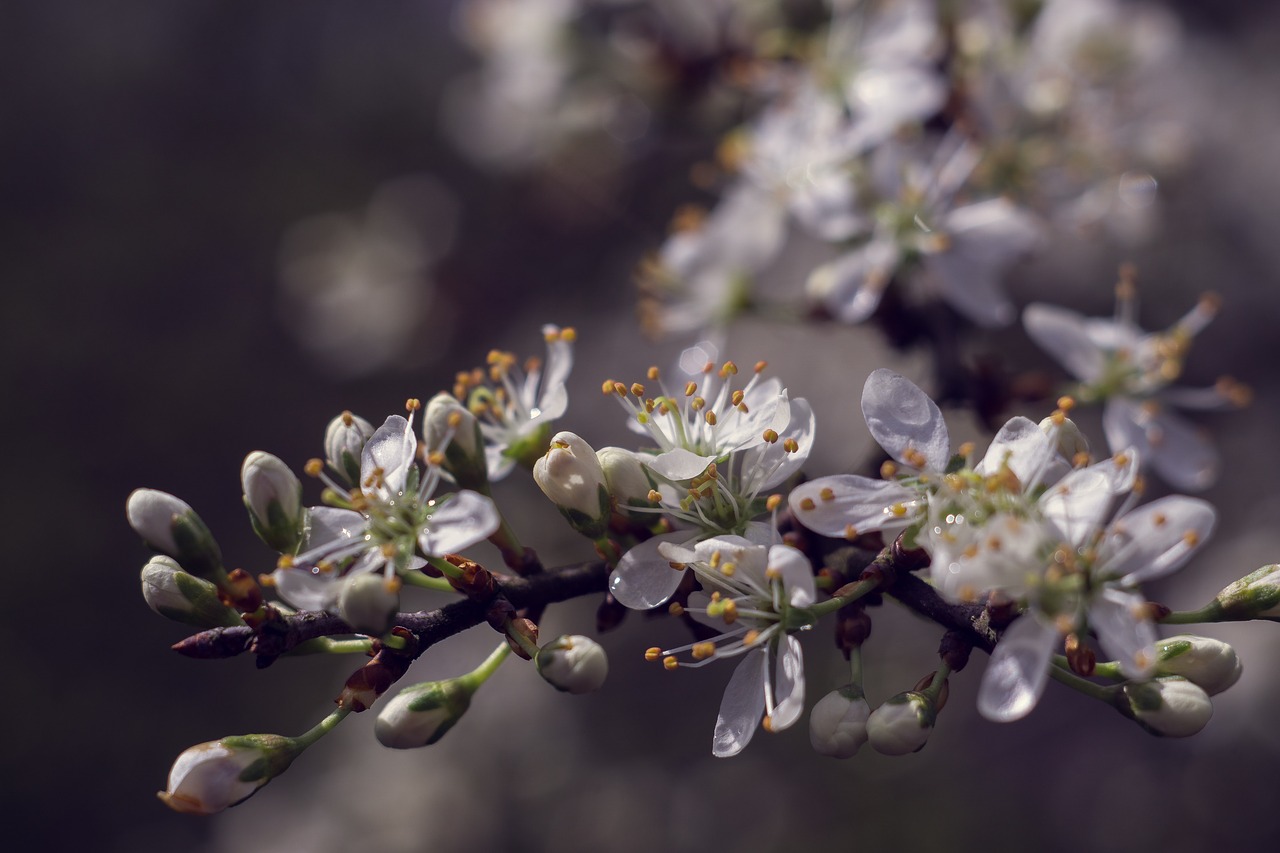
x=1124 y=631
x=1018 y=670
x=464 y=519
x=769 y=464
x=788 y=684
x=851 y=285
x=1155 y=540
x=391 y=448
x=857 y=502
x=1081 y=501
x=742 y=706
x=797 y=575
x=559 y=364
x=901 y=417
x=305 y=590
x=644 y=578
x=1063 y=334
x=678 y=464
x=326 y=524
x=1024 y=447
x=1177 y=451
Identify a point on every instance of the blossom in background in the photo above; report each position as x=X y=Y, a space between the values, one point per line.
x=1131 y=372
x=392 y=515
x=755 y=595
x=517 y=409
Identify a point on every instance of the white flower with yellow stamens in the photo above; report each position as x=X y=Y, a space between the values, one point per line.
x=757 y=595
x=1131 y=372
x=517 y=409
x=385 y=524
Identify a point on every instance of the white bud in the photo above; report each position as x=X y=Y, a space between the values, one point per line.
x=624 y=476
x=420 y=715
x=344 y=441
x=464 y=456
x=210 y=777
x=1169 y=706
x=902 y=724
x=1254 y=596
x=273 y=496
x=1067 y=436
x=570 y=475
x=177 y=595
x=368 y=602
x=573 y=663
x=172 y=527
x=1210 y=664
x=838 y=722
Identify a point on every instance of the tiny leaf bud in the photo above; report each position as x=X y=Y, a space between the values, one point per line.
x=902 y=724
x=422 y=714
x=213 y=776
x=172 y=527
x=174 y=594
x=1254 y=596
x=1166 y=707
x=573 y=663
x=464 y=457
x=624 y=476
x=273 y=496
x=570 y=475
x=344 y=440
x=1210 y=664
x=838 y=722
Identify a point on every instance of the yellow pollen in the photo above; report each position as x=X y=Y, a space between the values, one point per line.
x=1191 y=538
x=968 y=594
x=728 y=569
x=653 y=373
x=285 y=562
x=435 y=458
x=313 y=467
x=888 y=470
x=652 y=653
x=702 y=651
x=751 y=637
x=637 y=389
x=738 y=397
x=1066 y=403
x=347 y=418
x=1081 y=459
x=1058 y=417
x=898 y=510
x=454 y=420
x=679 y=567
x=388 y=550
x=670 y=662
x=966 y=449
x=655 y=496
x=708 y=367
x=716 y=596
x=1159 y=519
x=1121 y=459
x=914 y=458
x=711 y=418
x=675 y=608
x=266 y=580
x=393 y=585
x=970 y=552
x=620 y=389
x=607 y=387
x=767 y=723
x=730 y=612
x=772 y=574
x=760 y=366
x=326 y=567
x=568 y=334
x=697 y=404
x=773 y=502
x=715 y=559
x=729 y=369
x=770 y=436
x=826 y=494
x=790 y=445
x=850 y=532
x=690 y=389
x=807 y=504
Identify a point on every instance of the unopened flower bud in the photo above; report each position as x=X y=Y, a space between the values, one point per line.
x=172 y=527
x=570 y=475
x=344 y=440
x=273 y=496
x=210 y=777
x=420 y=715
x=1210 y=664
x=838 y=722
x=573 y=663
x=1066 y=435
x=177 y=595
x=1254 y=596
x=902 y=724
x=368 y=603
x=464 y=457
x=1168 y=706
x=624 y=476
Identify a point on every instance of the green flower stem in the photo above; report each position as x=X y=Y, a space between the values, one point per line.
x=330 y=646
x=935 y=686
x=1088 y=688
x=446 y=568
x=427 y=582
x=472 y=680
x=608 y=549
x=855 y=666
x=848 y=594
x=320 y=729
x=1105 y=669
x=530 y=648
x=1211 y=612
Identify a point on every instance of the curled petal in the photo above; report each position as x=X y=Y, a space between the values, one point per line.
x=644 y=578
x=742 y=705
x=902 y=418
x=1023 y=446
x=391 y=449
x=797 y=574
x=460 y=522
x=788 y=684
x=1018 y=670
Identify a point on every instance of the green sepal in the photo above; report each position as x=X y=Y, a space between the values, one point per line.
x=198 y=552
x=277 y=753
x=207 y=609
x=453 y=695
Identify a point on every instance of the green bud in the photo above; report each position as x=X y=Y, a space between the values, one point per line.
x=420 y=715
x=213 y=776
x=177 y=595
x=1254 y=596
x=902 y=724
x=273 y=496
x=1210 y=664
x=368 y=603
x=344 y=441
x=624 y=476
x=573 y=663
x=464 y=456
x=172 y=527
x=570 y=475
x=1167 y=707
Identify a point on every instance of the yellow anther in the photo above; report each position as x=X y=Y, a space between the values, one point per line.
x=760 y=366
x=285 y=562
x=1191 y=538
x=675 y=608
x=767 y=723
x=738 y=397
x=637 y=389
x=653 y=374
x=690 y=388
x=569 y=334
x=729 y=369
x=697 y=404
x=1159 y=519
x=435 y=458
x=1139 y=485
x=994 y=543
x=968 y=594
x=716 y=556
x=650 y=404
x=772 y=573
x=1121 y=459
x=532 y=364
x=347 y=418
x=716 y=596
x=392 y=584
x=914 y=458
x=654 y=496
x=388 y=550
x=702 y=651
x=751 y=637
x=773 y=502
x=663 y=408
x=607 y=387
x=898 y=509
x=970 y=552
x=770 y=436
x=412 y=404
x=1236 y=393
x=1064 y=623
x=727 y=569
x=790 y=445
x=966 y=449
x=326 y=567
x=670 y=662
x=313 y=467
x=807 y=504
x=730 y=612
x=1066 y=403
x=620 y=389
x=1081 y=459
x=266 y=581
x=679 y=567
x=1058 y=417
x=454 y=420
x=888 y=470
x=711 y=418
x=850 y=532
x=652 y=653
x=827 y=494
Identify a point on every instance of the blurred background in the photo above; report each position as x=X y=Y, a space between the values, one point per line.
x=225 y=222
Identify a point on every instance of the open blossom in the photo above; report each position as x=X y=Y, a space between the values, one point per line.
x=756 y=596
x=517 y=410
x=392 y=517
x=1131 y=372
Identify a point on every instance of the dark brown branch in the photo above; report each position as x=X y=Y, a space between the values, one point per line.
x=968 y=620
